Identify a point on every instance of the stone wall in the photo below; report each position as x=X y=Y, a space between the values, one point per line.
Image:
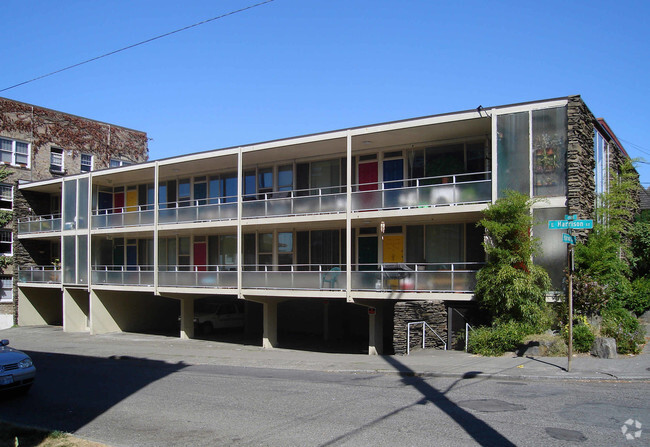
x=433 y=312
x=581 y=196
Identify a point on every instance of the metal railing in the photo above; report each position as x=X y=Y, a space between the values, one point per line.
x=456 y=189
x=221 y=276
x=425 y=325
x=129 y=275
x=416 y=277
x=39 y=224
x=468 y=328
x=128 y=216
x=199 y=210
x=41 y=274
x=296 y=202
x=294 y=277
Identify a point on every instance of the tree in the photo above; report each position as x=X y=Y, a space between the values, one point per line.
x=510 y=286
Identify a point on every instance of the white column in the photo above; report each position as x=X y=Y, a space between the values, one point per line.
x=270 y=335
x=348 y=221
x=187 y=318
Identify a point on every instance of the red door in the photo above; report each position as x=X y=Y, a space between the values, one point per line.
x=368 y=176
x=200 y=256
x=119 y=202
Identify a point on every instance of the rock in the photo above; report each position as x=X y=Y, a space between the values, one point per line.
x=604 y=348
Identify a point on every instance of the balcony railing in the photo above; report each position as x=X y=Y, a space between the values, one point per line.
x=131 y=275
x=130 y=216
x=458 y=189
x=42 y=274
x=294 y=277
x=221 y=276
x=39 y=224
x=202 y=210
x=420 y=277
x=298 y=202
x=402 y=277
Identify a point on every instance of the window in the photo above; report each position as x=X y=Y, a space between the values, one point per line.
x=116 y=163
x=6 y=196
x=14 y=152
x=86 y=162
x=56 y=160
x=7 y=290
x=6 y=242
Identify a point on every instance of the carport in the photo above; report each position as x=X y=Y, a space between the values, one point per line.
x=40 y=306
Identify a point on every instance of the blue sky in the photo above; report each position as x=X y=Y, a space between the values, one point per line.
x=294 y=67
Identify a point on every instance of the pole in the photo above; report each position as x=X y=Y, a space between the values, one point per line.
x=570 y=350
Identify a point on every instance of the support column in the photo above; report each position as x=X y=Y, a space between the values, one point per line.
x=270 y=335
x=101 y=319
x=187 y=318
x=75 y=310
x=326 y=321
x=376 y=330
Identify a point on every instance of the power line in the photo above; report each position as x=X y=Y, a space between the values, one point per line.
x=137 y=44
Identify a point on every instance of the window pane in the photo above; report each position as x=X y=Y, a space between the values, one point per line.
x=285 y=178
x=265 y=243
x=285 y=242
x=22 y=152
x=549 y=152
x=513 y=153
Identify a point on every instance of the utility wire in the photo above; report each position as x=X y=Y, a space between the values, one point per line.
x=137 y=44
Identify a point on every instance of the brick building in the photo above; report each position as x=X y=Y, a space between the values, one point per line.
x=38 y=144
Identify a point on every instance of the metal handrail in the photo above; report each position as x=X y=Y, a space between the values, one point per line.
x=40 y=217
x=468 y=328
x=424 y=335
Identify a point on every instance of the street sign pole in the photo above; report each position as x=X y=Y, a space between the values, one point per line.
x=570 y=348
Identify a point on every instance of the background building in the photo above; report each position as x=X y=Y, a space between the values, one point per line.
x=37 y=144
x=346 y=235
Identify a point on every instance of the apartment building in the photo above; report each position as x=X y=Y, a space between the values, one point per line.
x=346 y=235
x=38 y=143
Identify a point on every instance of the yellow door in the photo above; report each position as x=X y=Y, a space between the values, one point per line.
x=132 y=200
x=393 y=249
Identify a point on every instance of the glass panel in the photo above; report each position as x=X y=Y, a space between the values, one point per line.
x=325 y=173
x=444 y=243
x=82 y=221
x=393 y=171
x=554 y=256
x=549 y=152
x=249 y=185
x=82 y=259
x=265 y=243
x=415 y=243
x=22 y=152
x=70 y=210
x=184 y=192
x=285 y=242
x=69 y=260
x=265 y=179
x=162 y=195
x=228 y=250
x=229 y=187
x=513 y=153
x=214 y=189
x=200 y=193
x=285 y=178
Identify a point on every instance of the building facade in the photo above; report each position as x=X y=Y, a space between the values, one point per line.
x=343 y=235
x=38 y=143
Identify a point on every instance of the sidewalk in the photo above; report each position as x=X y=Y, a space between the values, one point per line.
x=429 y=363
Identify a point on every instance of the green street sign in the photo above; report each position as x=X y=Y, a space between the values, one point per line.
x=568 y=239
x=572 y=224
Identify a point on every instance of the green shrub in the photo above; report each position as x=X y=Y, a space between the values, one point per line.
x=640 y=300
x=583 y=337
x=622 y=325
x=497 y=339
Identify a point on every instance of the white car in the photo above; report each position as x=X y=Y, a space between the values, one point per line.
x=209 y=316
x=17 y=370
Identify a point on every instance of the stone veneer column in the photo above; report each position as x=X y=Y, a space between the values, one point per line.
x=581 y=196
x=433 y=312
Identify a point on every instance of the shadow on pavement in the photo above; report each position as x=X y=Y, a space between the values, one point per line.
x=480 y=431
x=70 y=391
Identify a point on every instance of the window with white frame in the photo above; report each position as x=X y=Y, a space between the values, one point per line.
x=14 y=152
x=86 y=162
x=116 y=163
x=6 y=196
x=6 y=242
x=6 y=289
x=56 y=159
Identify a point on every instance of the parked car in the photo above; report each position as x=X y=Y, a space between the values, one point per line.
x=17 y=370
x=212 y=315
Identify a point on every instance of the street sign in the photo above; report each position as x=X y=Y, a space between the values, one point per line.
x=573 y=224
x=568 y=238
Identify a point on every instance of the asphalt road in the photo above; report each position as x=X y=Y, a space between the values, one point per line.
x=135 y=402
